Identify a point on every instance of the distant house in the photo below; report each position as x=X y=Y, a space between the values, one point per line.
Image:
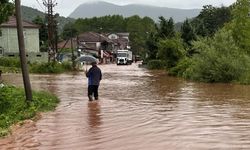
x=124 y=35
x=103 y=46
x=65 y=49
x=121 y=40
x=9 y=41
x=95 y=42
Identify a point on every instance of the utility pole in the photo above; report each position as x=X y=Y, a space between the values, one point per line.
x=25 y=72
x=72 y=52
x=50 y=4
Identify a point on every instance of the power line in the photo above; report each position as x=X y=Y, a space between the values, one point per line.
x=54 y=1
x=40 y=5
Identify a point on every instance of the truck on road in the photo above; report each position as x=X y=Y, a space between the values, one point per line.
x=124 y=57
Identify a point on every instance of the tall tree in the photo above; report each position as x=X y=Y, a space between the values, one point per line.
x=166 y=28
x=135 y=28
x=171 y=31
x=149 y=25
x=43 y=33
x=6 y=10
x=170 y=51
x=69 y=31
x=115 y=23
x=211 y=19
x=152 y=46
x=187 y=32
x=148 y=35
x=139 y=29
x=241 y=24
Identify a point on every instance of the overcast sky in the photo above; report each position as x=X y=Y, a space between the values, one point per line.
x=65 y=7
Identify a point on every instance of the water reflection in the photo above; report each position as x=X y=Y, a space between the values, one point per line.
x=94 y=116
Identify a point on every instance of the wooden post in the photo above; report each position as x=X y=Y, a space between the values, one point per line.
x=73 y=55
x=26 y=79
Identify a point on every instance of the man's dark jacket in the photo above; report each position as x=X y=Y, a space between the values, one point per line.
x=94 y=75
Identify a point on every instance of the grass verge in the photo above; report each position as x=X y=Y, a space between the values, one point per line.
x=13 y=107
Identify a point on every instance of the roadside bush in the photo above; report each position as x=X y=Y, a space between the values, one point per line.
x=219 y=60
x=245 y=78
x=45 y=68
x=13 y=107
x=50 y=67
x=13 y=65
x=10 y=69
x=181 y=67
x=155 y=64
x=10 y=62
x=171 y=51
x=67 y=66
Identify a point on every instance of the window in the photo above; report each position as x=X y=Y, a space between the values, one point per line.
x=113 y=36
x=121 y=54
x=1 y=50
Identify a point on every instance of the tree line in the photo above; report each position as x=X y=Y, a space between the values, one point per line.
x=213 y=47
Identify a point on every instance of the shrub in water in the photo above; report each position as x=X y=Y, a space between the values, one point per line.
x=50 y=67
x=170 y=51
x=181 y=67
x=155 y=64
x=10 y=62
x=219 y=60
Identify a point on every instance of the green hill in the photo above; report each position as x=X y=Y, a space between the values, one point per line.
x=30 y=14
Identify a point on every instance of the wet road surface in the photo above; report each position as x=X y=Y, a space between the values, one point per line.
x=138 y=110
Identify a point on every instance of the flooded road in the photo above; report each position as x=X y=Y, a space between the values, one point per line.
x=138 y=110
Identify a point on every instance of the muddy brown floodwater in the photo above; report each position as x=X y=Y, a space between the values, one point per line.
x=138 y=110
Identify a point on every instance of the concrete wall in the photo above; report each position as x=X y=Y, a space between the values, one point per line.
x=9 y=41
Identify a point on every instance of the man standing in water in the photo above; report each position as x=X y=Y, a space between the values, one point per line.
x=94 y=77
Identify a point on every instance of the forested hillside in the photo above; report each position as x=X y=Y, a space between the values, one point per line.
x=102 y=8
x=30 y=14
